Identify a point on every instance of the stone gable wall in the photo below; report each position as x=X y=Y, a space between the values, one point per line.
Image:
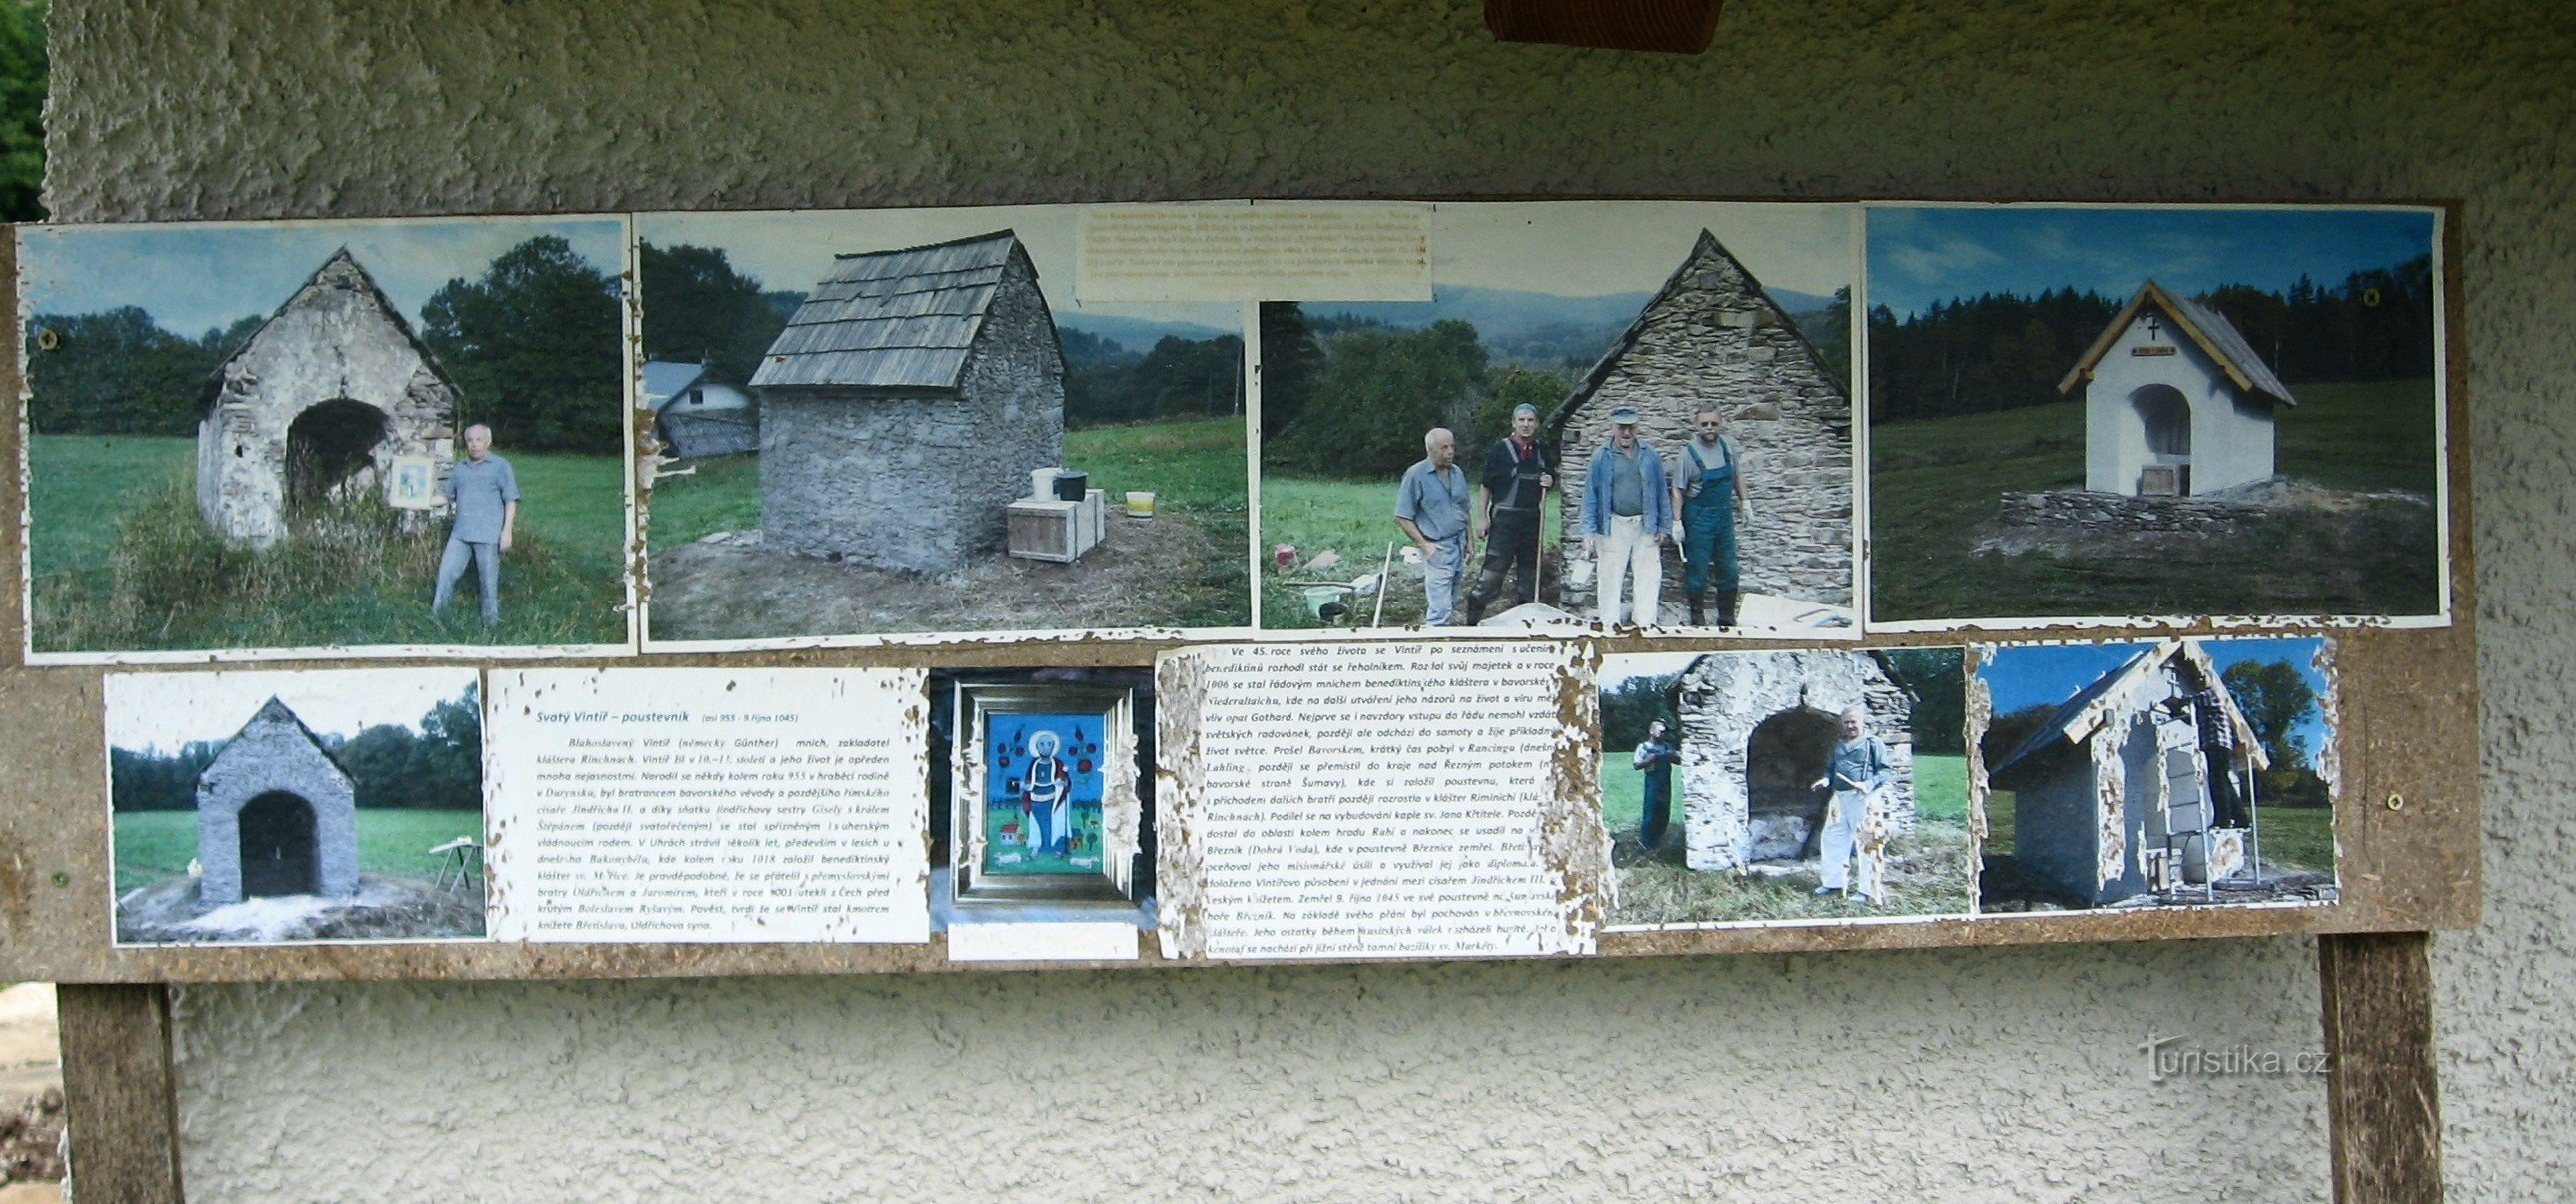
x=273 y=754
x=1727 y=694
x=1714 y=339
x=918 y=479
x=332 y=340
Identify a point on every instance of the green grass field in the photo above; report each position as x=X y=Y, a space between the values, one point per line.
x=2293 y=837
x=1357 y=519
x=1934 y=483
x=2297 y=837
x=1193 y=466
x=153 y=845
x=1940 y=793
x=122 y=562
x=1928 y=871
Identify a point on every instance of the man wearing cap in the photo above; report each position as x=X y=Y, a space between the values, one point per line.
x=1518 y=473
x=1627 y=512
x=1431 y=506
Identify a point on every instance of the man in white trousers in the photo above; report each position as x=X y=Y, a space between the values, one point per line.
x=1627 y=515
x=1854 y=771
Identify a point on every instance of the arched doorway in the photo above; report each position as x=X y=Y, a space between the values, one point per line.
x=277 y=846
x=2166 y=415
x=1782 y=760
x=327 y=444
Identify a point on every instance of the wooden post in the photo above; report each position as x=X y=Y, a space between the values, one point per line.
x=1666 y=26
x=120 y=1104
x=2383 y=1094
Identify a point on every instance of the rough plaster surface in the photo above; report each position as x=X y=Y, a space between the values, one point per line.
x=1989 y=1073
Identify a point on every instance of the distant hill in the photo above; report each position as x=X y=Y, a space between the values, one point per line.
x=1136 y=334
x=1539 y=330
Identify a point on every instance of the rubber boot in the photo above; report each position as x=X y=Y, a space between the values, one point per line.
x=1699 y=612
x=1726 y=608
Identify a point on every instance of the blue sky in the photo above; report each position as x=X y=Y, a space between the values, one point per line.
x=1921 y=255
x=194 y=277
x=2051 y=674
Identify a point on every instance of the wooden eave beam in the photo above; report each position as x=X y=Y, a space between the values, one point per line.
x=1661 y=26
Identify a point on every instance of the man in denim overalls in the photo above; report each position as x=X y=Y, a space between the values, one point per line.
x=1708 y=489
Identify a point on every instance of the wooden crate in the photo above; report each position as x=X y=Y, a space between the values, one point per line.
x=1047 y=529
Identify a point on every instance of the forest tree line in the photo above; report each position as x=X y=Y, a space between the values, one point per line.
x=699 y=308
x=1106 y=383
x=1930 y=677
x=532 y=343
x=2275 y=699
x=1345 y=397
x=2000 y=351
x=439 y=766
x=1349 y=396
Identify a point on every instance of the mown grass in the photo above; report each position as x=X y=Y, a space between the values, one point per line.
x=1192 y=465
x=1356 y=519
x=153 y=845
x=1934 y=483
x=1927 y=874
x=2297 y=838
x=2293 y=837
x=123 y=561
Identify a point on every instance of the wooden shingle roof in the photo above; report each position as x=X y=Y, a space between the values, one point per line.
x=892 y=319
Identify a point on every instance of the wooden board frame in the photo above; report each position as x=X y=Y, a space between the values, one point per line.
x=2406 y=824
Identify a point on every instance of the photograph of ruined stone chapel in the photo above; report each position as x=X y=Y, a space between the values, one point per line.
x=904 y=422
x=1780 y=786
x=2110 y=412
x=1563 y=317
x=2180 y=773
x=245 y=435
x=303 y=806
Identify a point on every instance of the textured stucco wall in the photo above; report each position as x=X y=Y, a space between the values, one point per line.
x=1882 y=1075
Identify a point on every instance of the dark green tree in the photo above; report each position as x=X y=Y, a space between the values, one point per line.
x=1380 y=390
x=534 y=346
x=117 y=372
x=1291 y=358
x=2274 y=697
x=697 y=308
x=1627 y=708
x=1934 y=677
x=24 y=74
x=1509 y=388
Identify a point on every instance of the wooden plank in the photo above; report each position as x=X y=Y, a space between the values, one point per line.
x=2382 y=1089
x=119 y=1094
x=1667 y=26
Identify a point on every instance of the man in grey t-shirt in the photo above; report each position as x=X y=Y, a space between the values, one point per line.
x=1431 y=506
x=485 y=493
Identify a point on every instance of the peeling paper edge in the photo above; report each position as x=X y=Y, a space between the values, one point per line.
x=1180 y=805
x=1574 y=841
x=2330 y=757
x=1980 y=714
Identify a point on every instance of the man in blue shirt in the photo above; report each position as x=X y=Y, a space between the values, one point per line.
x=485 y=494
x=1431 y=506
x=1627 y=513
